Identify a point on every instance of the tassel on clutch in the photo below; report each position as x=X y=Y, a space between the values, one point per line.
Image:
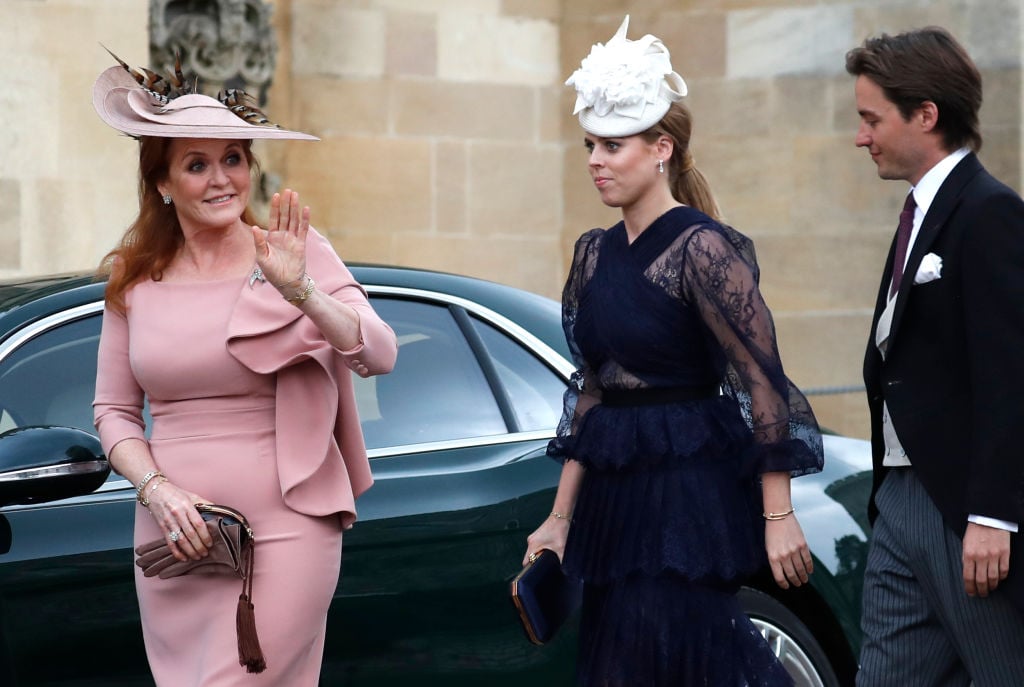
x=232 y=553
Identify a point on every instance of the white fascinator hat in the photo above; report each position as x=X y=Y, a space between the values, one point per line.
x=148 y=104
x=625 y=87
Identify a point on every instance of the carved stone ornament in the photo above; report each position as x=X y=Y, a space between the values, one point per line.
x=226 y=43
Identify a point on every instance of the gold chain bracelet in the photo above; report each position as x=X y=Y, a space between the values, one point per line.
x=305 y=293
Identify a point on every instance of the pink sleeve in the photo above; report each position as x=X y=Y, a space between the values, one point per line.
x=117 y=408
x=321 y=459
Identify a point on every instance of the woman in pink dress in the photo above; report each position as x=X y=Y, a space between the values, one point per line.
x=243 y=339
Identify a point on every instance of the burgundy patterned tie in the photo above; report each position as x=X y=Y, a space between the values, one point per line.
x=902 y=241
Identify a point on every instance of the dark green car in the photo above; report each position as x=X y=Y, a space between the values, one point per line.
x=457 y=437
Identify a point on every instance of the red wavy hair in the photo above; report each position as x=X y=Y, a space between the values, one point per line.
x=154 y=238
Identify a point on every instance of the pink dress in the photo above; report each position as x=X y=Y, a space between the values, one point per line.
x=216 y=433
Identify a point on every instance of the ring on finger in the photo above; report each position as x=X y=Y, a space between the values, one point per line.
x=175 y=535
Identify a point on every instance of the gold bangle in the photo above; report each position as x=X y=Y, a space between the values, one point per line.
x=144 y=481
x=560 y=516
x=305 y=293
x=779 y=516
x=156 y=485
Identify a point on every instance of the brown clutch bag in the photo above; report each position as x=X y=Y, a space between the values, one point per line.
x=232 y=554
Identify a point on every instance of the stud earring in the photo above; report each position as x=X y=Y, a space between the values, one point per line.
x=167 y=199
x=661 y=166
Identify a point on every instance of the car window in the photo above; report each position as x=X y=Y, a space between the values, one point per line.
x=436 y=392
x=51 y=379
x=534 y=389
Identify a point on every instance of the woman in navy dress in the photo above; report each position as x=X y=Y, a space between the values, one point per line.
x=681 y=431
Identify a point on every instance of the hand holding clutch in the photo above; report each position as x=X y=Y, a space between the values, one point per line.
x=544 y=596
x=232 y=553
x=232 y=540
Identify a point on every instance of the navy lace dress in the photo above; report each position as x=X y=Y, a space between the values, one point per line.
x=679 y=404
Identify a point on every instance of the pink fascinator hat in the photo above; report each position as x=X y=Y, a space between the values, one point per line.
x=625 y=87
x=147 y=104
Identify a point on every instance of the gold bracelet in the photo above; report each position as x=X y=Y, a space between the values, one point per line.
x=306 y=293
x=144 y=481
x=297 y=279
x=779 y=516
x=559 y=516
x=156 y=485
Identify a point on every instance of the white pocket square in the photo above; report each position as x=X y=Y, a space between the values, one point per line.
x=930 y=269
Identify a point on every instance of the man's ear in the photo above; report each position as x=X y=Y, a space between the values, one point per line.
x=929 y=114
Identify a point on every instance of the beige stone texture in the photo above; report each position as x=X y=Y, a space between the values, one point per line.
x=1003 y=103
x=816 y=38
x=821 y=273
x=367 y=184
x=411 y=44
x=872 y=19
x=538 y=9
x=697 y=40
x=531 y=263
x=496 y=50
x=330 y=38
x=752 y=183
x=451 y=171
x=823 y=354
x=463 y=110
x=843 y=413
x=56 y=151
x=363 y=246
x=514 y=190
x=730 y=108
x=551 y=115
x=993 y=155
x=325 y=106
x=804 y=335
x=454 y=6
x=10 y=230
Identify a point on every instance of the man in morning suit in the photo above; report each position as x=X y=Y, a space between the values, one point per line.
x=944 y=370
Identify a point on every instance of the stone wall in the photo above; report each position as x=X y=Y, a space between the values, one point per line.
x=448 y=141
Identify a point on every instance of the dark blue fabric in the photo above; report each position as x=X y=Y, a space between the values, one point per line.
x=667 y=523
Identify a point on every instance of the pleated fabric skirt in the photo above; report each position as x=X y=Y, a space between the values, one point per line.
x=666 y=528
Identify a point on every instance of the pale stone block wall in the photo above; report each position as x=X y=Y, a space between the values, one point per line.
x=63 y=173
x=441 y=137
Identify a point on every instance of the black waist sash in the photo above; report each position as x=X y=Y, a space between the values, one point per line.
x=622 y=398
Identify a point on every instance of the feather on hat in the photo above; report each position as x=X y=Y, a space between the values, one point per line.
x=147 y=104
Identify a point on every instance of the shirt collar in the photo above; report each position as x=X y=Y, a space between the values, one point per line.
x=928 y=186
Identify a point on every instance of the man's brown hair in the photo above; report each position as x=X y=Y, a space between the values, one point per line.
x=925 y=65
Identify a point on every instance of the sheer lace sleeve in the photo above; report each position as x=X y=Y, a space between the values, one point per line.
x=583 y=392
x=720 y=279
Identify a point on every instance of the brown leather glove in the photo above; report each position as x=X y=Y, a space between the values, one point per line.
x=230 y=539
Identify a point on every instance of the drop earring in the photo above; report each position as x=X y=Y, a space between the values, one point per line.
x=167 y=199
x=661 y=167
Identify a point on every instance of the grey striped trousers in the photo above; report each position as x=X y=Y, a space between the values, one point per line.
x=920 y=627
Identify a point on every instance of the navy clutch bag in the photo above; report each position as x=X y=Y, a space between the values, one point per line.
x=544 y=596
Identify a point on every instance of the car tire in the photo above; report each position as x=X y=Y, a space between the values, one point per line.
x=790 y=639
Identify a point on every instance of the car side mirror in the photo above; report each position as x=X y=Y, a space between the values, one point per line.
x=39 y=464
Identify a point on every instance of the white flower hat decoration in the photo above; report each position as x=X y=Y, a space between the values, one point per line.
x=625 y=87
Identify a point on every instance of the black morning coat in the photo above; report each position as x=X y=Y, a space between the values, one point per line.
x=953 y=376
